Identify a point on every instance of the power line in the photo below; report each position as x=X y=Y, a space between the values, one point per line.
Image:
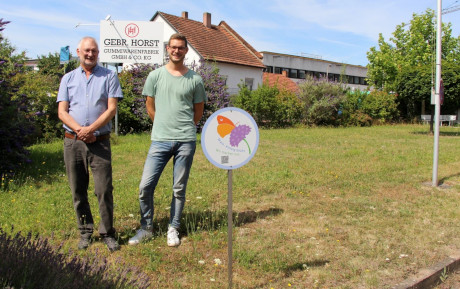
x=450 y=9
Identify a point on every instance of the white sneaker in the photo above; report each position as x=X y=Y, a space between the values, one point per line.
x=173 y=237
x=141 y=236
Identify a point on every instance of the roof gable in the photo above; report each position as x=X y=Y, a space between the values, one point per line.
x=218 y=43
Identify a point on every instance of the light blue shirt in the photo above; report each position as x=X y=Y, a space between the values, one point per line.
x=88 y=98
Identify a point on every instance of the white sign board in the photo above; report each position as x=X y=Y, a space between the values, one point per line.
x=230 y=138
x=131 y=42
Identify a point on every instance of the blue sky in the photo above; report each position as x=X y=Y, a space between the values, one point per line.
x=335 y=30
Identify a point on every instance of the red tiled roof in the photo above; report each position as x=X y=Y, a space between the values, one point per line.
x=281 y=81
x=219 y=43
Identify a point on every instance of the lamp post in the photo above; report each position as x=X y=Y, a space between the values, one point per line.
x=437 y=110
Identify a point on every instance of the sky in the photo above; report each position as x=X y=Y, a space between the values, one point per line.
x=334 y=30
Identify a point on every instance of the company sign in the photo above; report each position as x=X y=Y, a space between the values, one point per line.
x=131 y=42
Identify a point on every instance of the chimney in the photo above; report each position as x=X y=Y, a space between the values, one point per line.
x=185 y=14
x=284 y=73
x=207 y=19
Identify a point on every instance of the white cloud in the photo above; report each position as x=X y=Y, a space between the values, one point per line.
x=360 y=17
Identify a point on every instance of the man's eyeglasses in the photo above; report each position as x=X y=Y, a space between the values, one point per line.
x=180 y=48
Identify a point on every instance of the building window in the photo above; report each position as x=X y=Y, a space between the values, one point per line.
x=292 y=73
x=302 y=74
x=278 y=70
x=269 y=69
x=249 y=82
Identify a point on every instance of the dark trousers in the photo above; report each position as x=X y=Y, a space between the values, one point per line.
x=78 y=157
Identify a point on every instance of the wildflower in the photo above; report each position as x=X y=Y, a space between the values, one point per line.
x=131 y=215
x=201 y=262
x=217 y=261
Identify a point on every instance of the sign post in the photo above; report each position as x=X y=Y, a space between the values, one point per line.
x=229 y=140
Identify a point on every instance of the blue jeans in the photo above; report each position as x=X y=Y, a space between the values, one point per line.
x=158 y=156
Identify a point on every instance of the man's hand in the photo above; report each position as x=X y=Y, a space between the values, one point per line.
x=90 y=139
x=84 y=134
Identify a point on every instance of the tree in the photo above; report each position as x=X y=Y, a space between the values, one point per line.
x=15 y=127
x=40 y=89
x=409 y=59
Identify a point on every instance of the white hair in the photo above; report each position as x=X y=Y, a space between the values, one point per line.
x=87 y=38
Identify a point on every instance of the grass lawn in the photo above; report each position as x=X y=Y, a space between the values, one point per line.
x=314 y=208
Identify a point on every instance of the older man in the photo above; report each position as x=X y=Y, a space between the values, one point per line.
x=87 y=101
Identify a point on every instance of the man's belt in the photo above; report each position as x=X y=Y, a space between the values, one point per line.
x=98 y=138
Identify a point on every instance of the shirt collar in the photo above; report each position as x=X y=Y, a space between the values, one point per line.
x=96 y=68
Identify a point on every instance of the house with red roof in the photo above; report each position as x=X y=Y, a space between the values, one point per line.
x=236 y=59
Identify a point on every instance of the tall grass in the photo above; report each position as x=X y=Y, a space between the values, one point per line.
x=315 y=208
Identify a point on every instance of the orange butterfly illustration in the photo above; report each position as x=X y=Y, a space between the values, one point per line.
x=225 y=125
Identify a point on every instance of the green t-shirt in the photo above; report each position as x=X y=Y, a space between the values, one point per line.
x=174 y=99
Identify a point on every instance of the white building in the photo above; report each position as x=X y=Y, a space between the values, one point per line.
x=236 y=59
x=297 y=67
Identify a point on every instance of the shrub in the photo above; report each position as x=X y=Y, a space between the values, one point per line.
x=132 y=114
x=32 y=263
x=321 y=101
x=363 y=108
x=15 y=127
x=351 y=113
x=215 y=87
x=380 y=106
x=269 y=106
x=41 y=91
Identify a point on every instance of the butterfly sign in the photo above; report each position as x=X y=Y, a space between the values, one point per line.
x=237 y=133
x=230 y=137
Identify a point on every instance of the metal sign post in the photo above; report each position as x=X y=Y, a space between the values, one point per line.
x=229 y=139
x=230 y=228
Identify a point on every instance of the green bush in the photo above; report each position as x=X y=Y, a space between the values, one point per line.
x=380 y=106
x=321 y=101
x=364 y=108
x=269 y=106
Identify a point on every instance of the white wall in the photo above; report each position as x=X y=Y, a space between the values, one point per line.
x=237 y=73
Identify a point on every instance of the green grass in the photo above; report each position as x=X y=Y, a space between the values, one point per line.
x=315 y=207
